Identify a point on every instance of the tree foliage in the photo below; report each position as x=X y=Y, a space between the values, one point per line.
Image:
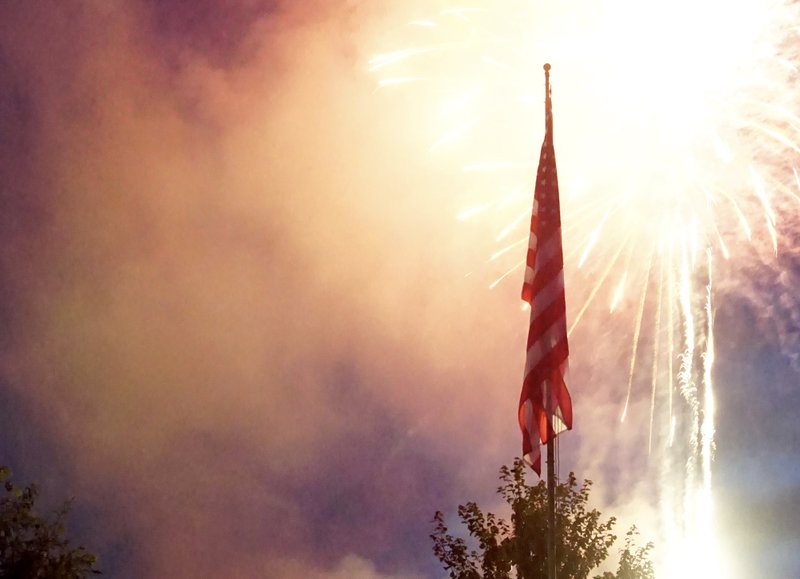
x=583 y=537
x=32 y=546
x=634 y=561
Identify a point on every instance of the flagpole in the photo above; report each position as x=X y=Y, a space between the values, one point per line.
x=551 y=508
x=551 y=472
x=551 y=504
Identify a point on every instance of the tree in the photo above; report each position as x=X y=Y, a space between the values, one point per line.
x=583 y=539
x=634 y=562
x=32 y=546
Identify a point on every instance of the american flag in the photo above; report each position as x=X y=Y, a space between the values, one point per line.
x=543 y=289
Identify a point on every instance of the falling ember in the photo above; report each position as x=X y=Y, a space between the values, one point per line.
x=684 y=152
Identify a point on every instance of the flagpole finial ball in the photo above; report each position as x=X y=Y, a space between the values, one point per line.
x=547 y=67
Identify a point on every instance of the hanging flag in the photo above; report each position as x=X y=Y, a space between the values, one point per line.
x=545 y=406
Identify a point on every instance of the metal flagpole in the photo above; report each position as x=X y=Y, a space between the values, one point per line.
x=551 y=471
x=551 y=507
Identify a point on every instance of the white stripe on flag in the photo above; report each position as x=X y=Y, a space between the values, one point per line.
x=545 y=343
x=549 y=293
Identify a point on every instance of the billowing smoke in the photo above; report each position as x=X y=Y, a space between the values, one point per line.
x=224 y=316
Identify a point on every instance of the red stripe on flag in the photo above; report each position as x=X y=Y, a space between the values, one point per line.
x=527 y=292
x=550 y=270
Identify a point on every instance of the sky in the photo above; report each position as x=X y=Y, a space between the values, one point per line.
x=242 y=326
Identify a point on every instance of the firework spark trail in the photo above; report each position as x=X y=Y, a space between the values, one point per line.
x=506 y=249
x=637 y=331
x=656 y=344
x=382 y=60
x=576 y=320
x=453 y=134
x=769 y=213
x=779 y=137
x=671 y=343
x=621 y=286
x=745 y=225
x=709 y=411
x=508 y=229
x=796 y=178
x=574 y=225
x=594 y=237
x=689 y=394
x=685 y=375
x=472 y=211
x=576 y=219
x=514 y=268
x=723 y=248
x=788 y=191
x=693 y=538
x=584 y=213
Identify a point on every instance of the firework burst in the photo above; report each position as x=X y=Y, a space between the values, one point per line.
x=677 y=150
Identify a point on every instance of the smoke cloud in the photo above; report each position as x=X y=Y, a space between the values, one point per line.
x=224 y=316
